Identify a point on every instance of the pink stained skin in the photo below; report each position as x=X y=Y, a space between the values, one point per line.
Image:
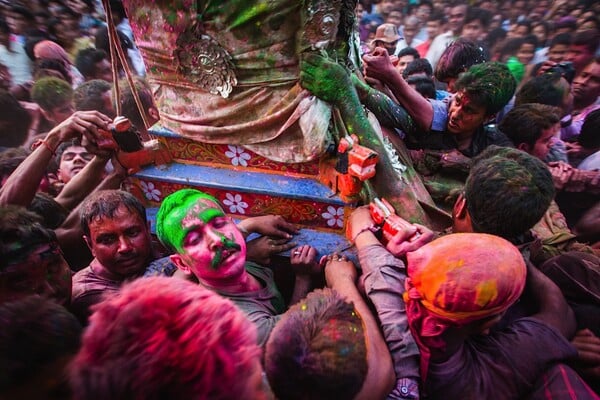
x=122 y=245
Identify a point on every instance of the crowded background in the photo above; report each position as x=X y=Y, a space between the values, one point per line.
x=496 y=105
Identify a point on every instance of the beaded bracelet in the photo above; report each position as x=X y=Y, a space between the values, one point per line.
x=371 y=228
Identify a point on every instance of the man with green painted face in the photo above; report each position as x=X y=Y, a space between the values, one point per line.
x=209 y=246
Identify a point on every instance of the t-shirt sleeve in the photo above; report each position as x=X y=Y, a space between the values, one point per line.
x=440 y=114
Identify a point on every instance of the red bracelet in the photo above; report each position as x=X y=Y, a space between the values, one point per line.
x=40 y=142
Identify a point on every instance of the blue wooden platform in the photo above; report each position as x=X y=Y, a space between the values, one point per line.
x=243 y=181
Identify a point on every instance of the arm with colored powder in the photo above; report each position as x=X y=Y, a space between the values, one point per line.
x=22 y=184
x=379 y=66
x=552 y=306
x=331 y=82
x=389 y=113
x=83 y=183
x=383 y=277
x=341 y=276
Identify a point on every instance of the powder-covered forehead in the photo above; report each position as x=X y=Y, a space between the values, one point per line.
x=183 y=211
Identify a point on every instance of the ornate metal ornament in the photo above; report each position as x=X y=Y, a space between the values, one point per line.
x=204 y=62
x=321 y=23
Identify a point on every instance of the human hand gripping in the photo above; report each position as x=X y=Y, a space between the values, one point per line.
x=325 y=78
x=588 y=348
x=304 y=261
x=91 y=126
x=360 y=222
x=338 y=270
x=378 y=65
x=410 y=238
x=261 y=249
x=270 y=225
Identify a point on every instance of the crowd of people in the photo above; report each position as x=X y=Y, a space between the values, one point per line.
x=497 y=105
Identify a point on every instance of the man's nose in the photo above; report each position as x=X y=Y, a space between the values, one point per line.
x=124 y=245
x=78 y=158
x=215 y=239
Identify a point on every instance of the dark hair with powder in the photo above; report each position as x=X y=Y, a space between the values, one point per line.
x=317 y=350
x=507 y=191
x=20 y=231
x=490 y=85
x=105 y=203
x=543 y=89
x=417 y=66
x=526 y=122
x=459 y=57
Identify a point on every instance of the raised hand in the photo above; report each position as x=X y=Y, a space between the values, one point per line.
x=325 y=78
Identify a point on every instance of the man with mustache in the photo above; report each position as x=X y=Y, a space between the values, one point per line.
x=209 y=247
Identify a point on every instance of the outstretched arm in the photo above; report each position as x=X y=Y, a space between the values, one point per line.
x=341 y=275
x=331 y=82
x=22 y=184
x=82 y=184
x=383 y=278
x=387 y=111
x=379 y=66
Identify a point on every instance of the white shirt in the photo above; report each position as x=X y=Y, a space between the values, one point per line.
x=17 y=62
x=438 y=46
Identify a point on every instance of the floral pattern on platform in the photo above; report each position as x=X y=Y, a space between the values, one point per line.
x=306 y=213
x=334 y=216
x=208 y=154
x=235 y=203
x=150 y=191
x=238 y=156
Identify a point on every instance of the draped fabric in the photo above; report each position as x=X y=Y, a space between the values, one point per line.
x=227 y=71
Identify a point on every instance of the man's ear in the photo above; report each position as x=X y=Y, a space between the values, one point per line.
x=461 y=219
x=524 y=147
x=460 y=207
x=88 y=241
x=177 y=259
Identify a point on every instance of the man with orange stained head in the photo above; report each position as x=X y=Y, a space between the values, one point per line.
x=457 y=288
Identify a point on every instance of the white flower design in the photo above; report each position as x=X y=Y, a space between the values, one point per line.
x=150 y=191
x=235 y=203
x=238 y=155
x=334 y=216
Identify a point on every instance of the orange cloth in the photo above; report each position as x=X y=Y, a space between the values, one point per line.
x=456 y=280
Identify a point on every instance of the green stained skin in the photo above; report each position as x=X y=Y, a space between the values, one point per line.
x=227 y=244
x=180 y=219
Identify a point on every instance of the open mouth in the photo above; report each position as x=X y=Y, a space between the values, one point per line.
x=452 y=124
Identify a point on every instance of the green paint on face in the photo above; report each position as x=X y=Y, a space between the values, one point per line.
x=182 y=212
x=227 y=245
